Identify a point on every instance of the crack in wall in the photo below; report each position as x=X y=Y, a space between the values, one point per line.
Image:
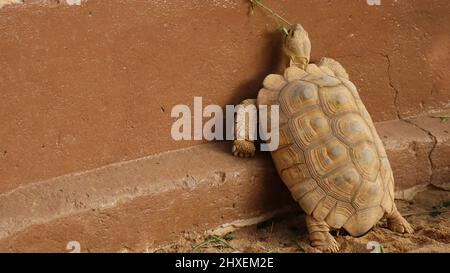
x=391 y=84
x=388 y=59
x=399 y=116
x=435 y=142
x=390 y=80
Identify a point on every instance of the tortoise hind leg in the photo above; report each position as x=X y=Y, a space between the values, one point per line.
x=319 y=235
x=397 y=223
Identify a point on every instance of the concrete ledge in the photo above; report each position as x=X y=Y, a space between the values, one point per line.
x=439 y=156
x=419 y=151
x=136 y=205
x=408 y=148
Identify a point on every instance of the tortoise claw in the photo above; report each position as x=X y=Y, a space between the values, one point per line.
x=243 y=149
x=397 y=223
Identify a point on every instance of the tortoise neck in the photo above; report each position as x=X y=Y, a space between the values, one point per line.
x=300 y=62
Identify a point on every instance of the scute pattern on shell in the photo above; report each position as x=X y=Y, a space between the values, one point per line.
x=330 y=155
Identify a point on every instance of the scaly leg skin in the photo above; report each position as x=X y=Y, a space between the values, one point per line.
x=335 y=66
x=397 y=223
x=244 y=147
x=320 y=237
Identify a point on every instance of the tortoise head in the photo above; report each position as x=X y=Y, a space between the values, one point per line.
x=297 y=46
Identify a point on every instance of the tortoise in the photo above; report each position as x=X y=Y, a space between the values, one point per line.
x=329 y=155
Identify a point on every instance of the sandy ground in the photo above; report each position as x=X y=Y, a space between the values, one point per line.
x=429 y=213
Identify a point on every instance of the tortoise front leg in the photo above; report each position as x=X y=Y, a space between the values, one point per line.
x=244 y=147
x=319 y=235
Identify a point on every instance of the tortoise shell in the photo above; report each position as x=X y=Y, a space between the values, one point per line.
x=329 y=155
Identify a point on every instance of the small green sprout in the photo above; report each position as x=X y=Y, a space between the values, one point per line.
x=440 y=209
x=300 y=246
x=436 y=211
x=443 y=118
x=228 y=237
x=272 y=251
x=222 y=242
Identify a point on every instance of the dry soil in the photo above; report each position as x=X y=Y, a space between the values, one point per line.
x=428 y=213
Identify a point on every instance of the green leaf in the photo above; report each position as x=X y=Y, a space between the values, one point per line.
x=300 y=247
x=258 y=3
x=228 y=237
x=284 y=31
x=436 y=211
x=443 y=118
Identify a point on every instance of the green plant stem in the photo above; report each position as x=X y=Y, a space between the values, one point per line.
x=223 y=241
x=214 y=239
x=272 y=12
x=195 y=247
x=443 y=118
